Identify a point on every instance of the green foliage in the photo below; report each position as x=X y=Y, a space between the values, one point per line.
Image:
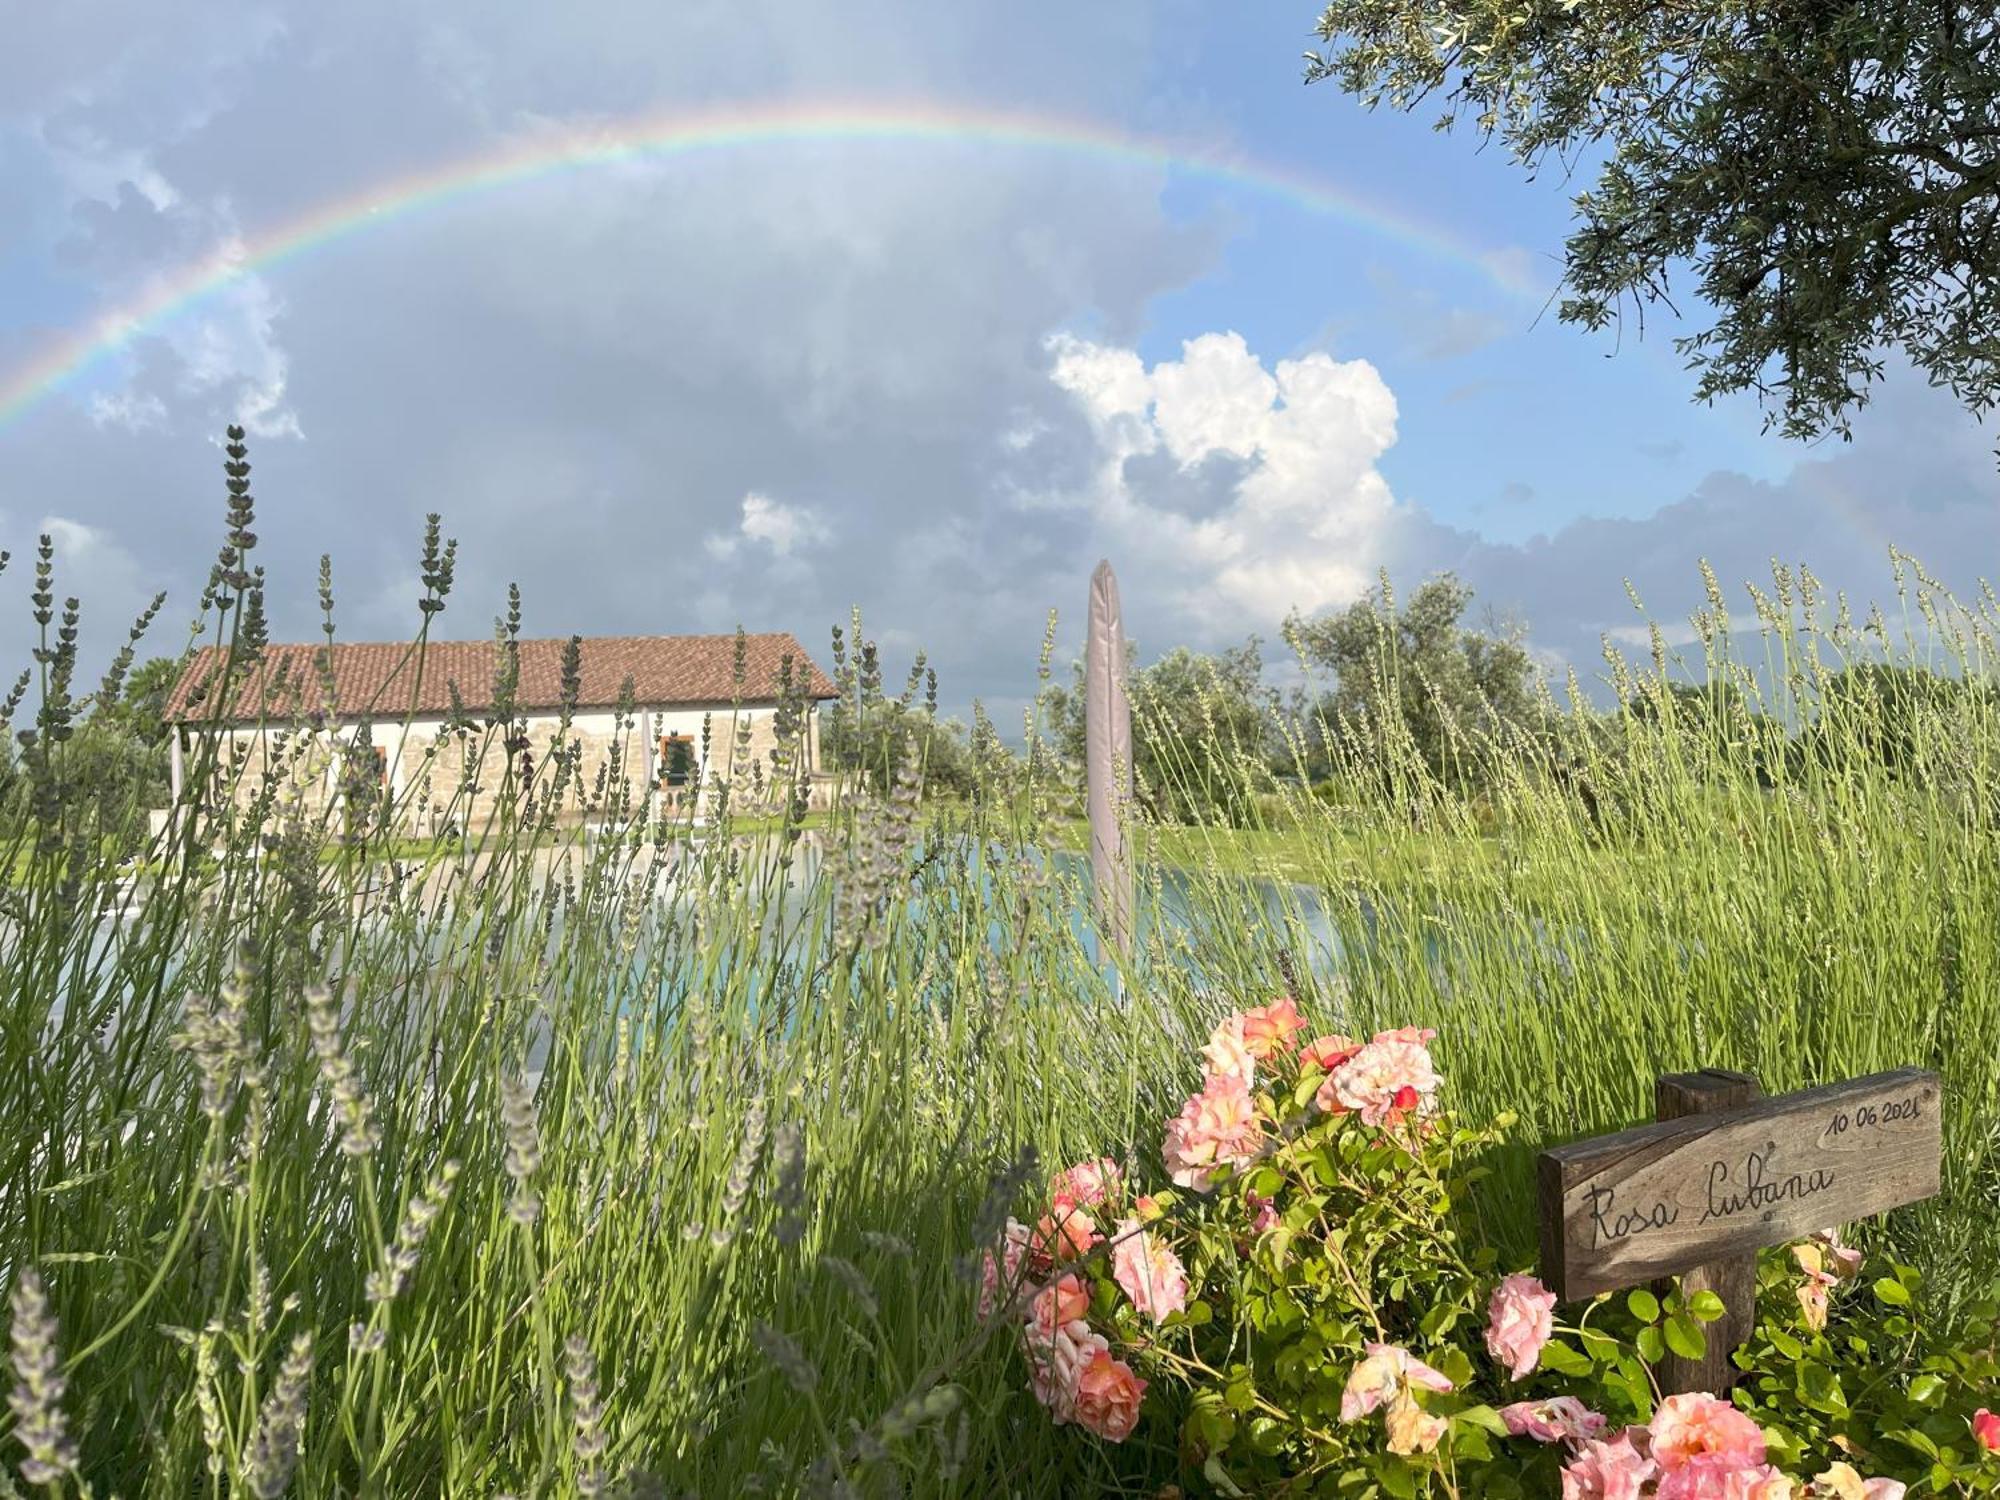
x=1870 y=1381
x=1912 y=721
x=1414 y=675
x=866 y=732
x=1337 y=1239
x=1828 y=170
x=1203 y=732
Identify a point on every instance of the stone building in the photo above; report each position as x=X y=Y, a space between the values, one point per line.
x=649 y=717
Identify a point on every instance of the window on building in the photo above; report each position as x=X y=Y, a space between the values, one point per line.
x=676 y=760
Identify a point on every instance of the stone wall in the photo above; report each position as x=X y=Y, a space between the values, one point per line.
x=435 y=777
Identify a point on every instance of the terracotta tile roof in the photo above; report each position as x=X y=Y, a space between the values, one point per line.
x=379 y=678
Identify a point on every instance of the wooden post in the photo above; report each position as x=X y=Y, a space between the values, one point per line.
x=1734 y=1280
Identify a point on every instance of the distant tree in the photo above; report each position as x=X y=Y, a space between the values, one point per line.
x=1443 y=680
x=863 y=730
x=108 y=772
x=1715 y=710
x=1892 y=714
x=877 y=740
x=1203 y=729
x=141 y=708
x=1830 y=169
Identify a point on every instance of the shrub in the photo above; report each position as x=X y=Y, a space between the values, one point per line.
x=1312 y=1305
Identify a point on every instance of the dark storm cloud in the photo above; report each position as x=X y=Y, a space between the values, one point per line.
x=590 y=374
x=755 y=387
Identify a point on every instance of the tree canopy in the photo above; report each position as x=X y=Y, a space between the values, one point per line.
x=1445 y=681
x=1202 y=727
x=1831 y=170
x=1897 y=715
x=140 y=709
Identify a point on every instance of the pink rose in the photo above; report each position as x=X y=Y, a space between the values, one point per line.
x=1263 y=1212
x=1883 y=1489
x=1149 y=1271
x=1691 y=1426
x=1328 y=1052
x=1844 y=1261
x=1520 y=1318
x=1002 y=1282
x=1607 y=1471
x=1216 y=1128
x=1060 y=1302
x=1986 y=1428
x=1420 y=1036
x=1385 y=1372
x=1714 y=1476
x=1228 y=1051
x=1064 y=1233
x=1108 y=1396
x=1054 y=1365
x=1086 y=1184
x=1560 y=1418
x=1411 y=1428
x=1268 y=1029
x=1383 y=1081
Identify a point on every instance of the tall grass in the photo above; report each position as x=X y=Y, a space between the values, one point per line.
x=1690 y=882
x=606 y=1159
x=563 y=1160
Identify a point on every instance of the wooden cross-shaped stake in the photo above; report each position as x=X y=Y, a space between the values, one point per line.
x=1722 y=1174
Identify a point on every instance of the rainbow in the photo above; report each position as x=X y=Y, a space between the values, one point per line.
x=665 y=136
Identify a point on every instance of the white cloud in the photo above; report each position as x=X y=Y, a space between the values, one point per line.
x=1301 y=526
x=781 y=528
x=73 y=540
x=93 y=169
x=1672 y=633
x=233 y=349
x=135 y=411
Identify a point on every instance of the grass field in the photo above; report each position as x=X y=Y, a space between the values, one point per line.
x=614 y=1166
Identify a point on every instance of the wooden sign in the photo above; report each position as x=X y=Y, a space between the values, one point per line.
x=1712 y=1187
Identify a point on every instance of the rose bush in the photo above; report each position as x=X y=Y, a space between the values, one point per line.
x=1307 y=1299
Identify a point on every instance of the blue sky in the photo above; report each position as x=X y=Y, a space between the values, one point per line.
x=934 y=381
